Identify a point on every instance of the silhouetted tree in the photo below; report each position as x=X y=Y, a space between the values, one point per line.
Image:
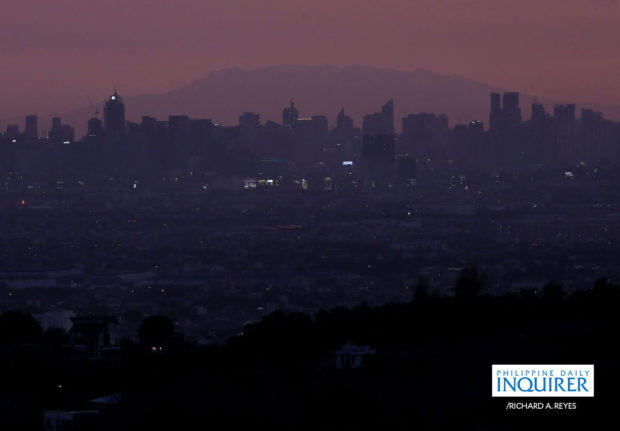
x=17 y=327
x=422 y=289
x=470 y=283
x=154 y=330
x=56 y=337
x=282 y=337
x=552 y=293
x=603 y=286
x=605 y=297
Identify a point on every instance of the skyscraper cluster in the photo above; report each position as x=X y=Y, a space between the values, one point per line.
x=305 y=147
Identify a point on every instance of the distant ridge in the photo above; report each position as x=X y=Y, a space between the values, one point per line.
x=324 y=89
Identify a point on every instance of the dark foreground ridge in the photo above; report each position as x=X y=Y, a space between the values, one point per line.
x=429 y=367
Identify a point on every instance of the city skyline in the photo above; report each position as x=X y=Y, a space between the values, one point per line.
x=314 y=214
x=225 y=94
x=553 y=48
x=304 y=146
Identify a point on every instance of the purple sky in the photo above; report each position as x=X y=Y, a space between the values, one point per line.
x=56 y=54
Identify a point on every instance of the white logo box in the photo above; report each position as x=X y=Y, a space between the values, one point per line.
x=568 y=380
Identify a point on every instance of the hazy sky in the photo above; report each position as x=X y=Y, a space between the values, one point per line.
x=57 y=53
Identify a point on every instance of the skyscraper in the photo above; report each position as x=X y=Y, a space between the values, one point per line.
x=343 y=121
x=114 y=116
x=343 y=135
x=32 y=131
x=56 y=123
x=380 y=123
x=290 y=116
x=249 y=125
x=387 y=112
x=178 y=141
x=505 y=115
x=538 y=111
x=12 y=131
x=200 y=136
x=310 y=137
x=249 y=120
x=541 y=144
x=508 y=134
x=511 y=108
x=378 y=145
x=423 y=133
x=55 y=133
x=496 y=107
x=95 y=127
x=61 y=133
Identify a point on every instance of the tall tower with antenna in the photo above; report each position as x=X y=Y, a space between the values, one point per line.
x=114 y=116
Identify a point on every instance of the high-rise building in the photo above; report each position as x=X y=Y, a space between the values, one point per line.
x=541 y=147
x=387 y=112
x=538 y=111
x=290 y=116
x=506 y=114
x=496 y=102
x=564 y=112
x=114 y=116
x=68 y=133
x=343 y=136
x=423 y=134
x=61 y=133
x=12 y=131
x=507 y=134
x=477 y=126
x=249 y=126
x=495 y=113
x=565 y=132
x=56 y=123
x=32 y=131
x=249 y=120
x=178 y=141
x=378 y=145
x=591 y=146
x=200 y=136
x=311 y=138
x=380 y=123
x=343 y=121
x=511 y=108
x=510 y=100
x=406 y=171
x=179 y=127
x=55 y=133
x=157 y=143
x=95 y=127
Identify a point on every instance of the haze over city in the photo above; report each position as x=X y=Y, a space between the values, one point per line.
x=309 y=214
x=57 y=55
